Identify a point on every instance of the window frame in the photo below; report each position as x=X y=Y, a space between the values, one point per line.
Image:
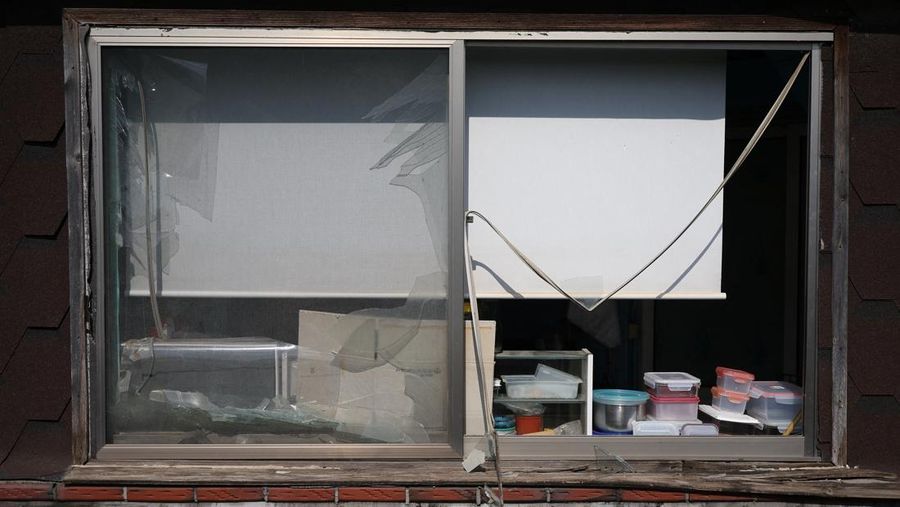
x=87 y=33
x=103 y=450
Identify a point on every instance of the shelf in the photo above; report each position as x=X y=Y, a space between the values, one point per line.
x=583 y=359
x=579 y=399
x=547 y=355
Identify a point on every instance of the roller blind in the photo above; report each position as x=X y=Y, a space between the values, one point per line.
x=327 y=175
x=590 y=161
x=302 y=172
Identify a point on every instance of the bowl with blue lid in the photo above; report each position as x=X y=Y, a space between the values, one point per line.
x=616 y=410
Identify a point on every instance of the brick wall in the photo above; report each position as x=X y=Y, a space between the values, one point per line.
x=37 y=492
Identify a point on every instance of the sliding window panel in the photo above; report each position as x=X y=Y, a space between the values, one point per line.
x=275 y=238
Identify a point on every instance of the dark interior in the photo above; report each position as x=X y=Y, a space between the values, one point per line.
x=757 y=328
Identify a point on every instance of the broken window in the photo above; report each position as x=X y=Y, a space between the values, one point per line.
x=281 y=238
x=275 y=225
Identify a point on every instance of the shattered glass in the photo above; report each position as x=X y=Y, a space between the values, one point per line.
x=278 y=323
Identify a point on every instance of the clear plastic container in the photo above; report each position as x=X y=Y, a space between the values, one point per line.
x=528 y=386
x=726 y=401
x=774 y=402
x=655 y=429
x=674 y=409
x=735 y=381
x=671 y=384
x=546 y=373
x=700 y=430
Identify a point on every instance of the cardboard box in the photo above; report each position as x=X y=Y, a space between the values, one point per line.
x=367 y=372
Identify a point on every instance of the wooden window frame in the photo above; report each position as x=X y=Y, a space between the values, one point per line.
x=728 y=31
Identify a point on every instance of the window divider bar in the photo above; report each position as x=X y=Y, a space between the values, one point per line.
x=456 y=268
x=811 y=276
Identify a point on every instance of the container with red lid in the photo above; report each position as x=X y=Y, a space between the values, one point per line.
x=775 y=402
x=674 y=409
x=730 y=402
x=734 y=381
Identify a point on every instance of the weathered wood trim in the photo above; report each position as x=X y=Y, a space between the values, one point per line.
x=839 y=239
x=441 y=20
x=77 y=164
x=812 y=268
x=757 y=478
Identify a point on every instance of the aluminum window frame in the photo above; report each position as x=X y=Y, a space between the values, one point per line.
x=83 y=46
x=723 y=447
x=104 y=450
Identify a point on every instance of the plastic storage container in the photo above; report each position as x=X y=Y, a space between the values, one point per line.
x=655 y=429
x=774 y=402
x=700 y=430
x=544 y=372
x=727 y=401
x=528 y=386
x=526 y=424
x=735 y=381
x=616 y=410
x=671 y=384
x=674 y=409
x=546 y=382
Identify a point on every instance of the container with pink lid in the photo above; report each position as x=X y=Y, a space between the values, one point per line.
x=732 y=380
x=667 y=408
x=774 y=402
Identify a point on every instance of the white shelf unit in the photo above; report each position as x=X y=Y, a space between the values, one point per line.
x=585 y=394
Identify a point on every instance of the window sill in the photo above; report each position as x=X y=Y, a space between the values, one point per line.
x=808 y=480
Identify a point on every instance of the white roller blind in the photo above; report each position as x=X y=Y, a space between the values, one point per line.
x=299 y=212
x=304 y=173
x=591 y=161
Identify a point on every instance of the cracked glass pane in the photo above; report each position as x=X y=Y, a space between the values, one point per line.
x=276 y=254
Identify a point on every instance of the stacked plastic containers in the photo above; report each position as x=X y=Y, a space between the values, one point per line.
x=775 y=403
x=732 y=391
x=673 y=395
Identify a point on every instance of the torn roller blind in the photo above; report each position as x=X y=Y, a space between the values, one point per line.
x=590 y=161
x=323 y=171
